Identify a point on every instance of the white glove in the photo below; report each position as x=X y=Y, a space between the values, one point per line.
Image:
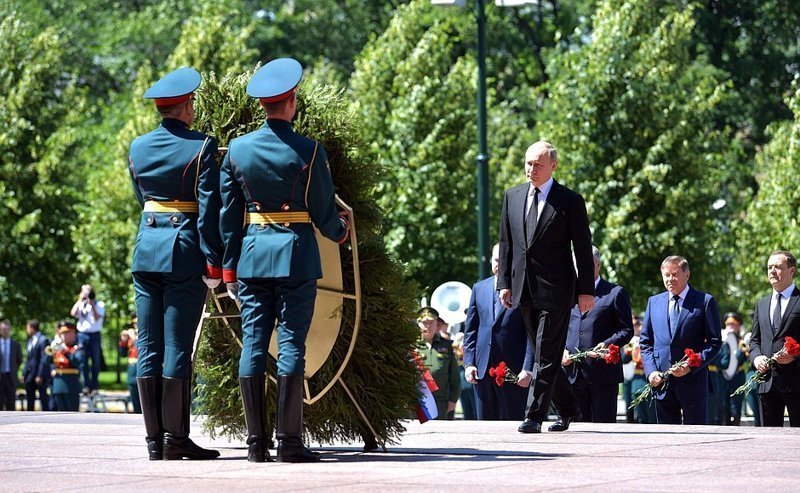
x=233 y=290
x=211 y=283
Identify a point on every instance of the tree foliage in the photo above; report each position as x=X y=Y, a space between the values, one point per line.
x=210 y=40
x=771 y=220
x=756 y=42
x=40 y=120
x=641 y=127
x=415 y=88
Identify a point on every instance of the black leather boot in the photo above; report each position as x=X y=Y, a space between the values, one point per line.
x=290 y=421
x=176 y=403
x=150 y=398
x=254 y=399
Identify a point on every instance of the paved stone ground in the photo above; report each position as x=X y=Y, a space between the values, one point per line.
x=105 y=452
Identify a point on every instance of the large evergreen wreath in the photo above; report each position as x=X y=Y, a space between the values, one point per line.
x=379 y=372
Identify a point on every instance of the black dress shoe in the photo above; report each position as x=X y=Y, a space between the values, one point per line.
x=530 y=426
x=563 y=423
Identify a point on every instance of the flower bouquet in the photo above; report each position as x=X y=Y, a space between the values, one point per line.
x=609 y=354
x=502 y=374
x=790 y=347
x=690 y=359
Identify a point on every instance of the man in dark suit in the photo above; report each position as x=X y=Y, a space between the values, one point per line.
x=10 y=359
x=494 y=333
x=541 y=223
x=776 y=317
x=678 y=319
x=36 y=372
x=595 y=383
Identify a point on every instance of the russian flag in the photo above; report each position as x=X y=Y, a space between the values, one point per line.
x=426 y=405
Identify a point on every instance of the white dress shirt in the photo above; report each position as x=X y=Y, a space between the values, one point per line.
x=785 y=294
x=544 y=190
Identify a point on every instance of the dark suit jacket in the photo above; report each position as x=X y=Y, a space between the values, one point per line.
x=35 y=365
x=698 y=329
x=489 y=339
x=543 y=260
x=16 y=360
x=785 y=378
x=609 y=322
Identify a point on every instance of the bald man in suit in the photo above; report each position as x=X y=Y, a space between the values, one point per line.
x=542 y=223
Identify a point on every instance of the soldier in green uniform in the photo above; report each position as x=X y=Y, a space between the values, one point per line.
x=176 y=259
x=279 y=183
x=439 y=357
x=66 y=359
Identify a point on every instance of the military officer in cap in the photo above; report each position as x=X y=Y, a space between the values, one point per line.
x=176 y=259
x=441 y=360
x=66 y=359
x=279 y=183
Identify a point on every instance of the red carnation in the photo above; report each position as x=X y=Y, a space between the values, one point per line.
x=612 y=357
x=502 y=374
x=791 y=346
x=693 y=358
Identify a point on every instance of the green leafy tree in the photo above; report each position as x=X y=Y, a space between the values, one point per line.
x=210 y=40
x=757 y=43
x=641 y=127
x=414 y=87
x=771 y=220
x=40 y=118
x=329 y=32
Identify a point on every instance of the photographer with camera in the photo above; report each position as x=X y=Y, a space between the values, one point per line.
x=89 y=313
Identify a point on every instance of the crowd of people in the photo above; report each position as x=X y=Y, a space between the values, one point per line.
x=460 y=362
x=58 y=368
x=546 y=333
x=571 y=339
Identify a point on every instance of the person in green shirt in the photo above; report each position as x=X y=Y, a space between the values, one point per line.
x=439 y=357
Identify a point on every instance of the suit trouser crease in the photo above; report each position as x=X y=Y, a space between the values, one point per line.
x=550 y=383
x=598 y=402
x=772 y=405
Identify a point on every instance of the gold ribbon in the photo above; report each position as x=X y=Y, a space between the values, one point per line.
x=171 y=206
x=278 y=217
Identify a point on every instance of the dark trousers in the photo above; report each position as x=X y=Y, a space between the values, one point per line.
x=646 y=411
x=499 y=403
x=598 y=402
x=68 y=402
x=773 y=403
x=133 y=389
x=263 y=301
x=547 y=331
x=30 y=392
x=91 y=345
x=7 y=393
x=169 y=307
x=467 y=398
x=675 y=408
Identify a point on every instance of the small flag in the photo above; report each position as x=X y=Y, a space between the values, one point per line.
x=426 y=406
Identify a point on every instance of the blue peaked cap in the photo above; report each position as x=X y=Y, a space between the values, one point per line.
x=276 y=80
x=175 y=84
